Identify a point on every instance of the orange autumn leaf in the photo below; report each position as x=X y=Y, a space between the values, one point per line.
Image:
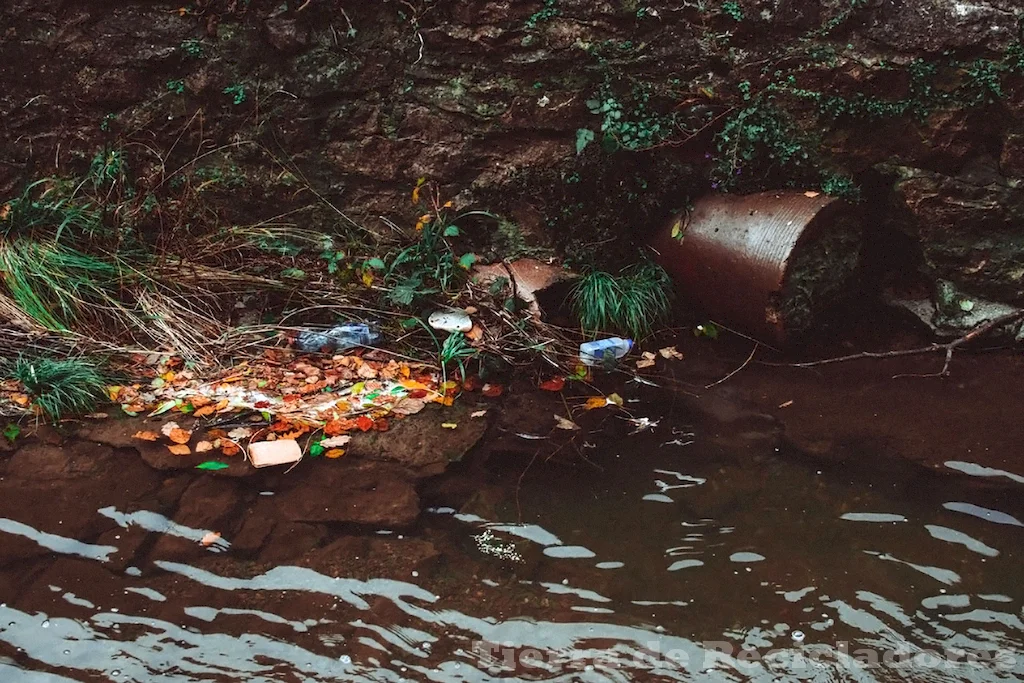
x=595 y=402
x=200 y=401
x=334 y=453
x=204 y=410
x=364 y=423
x=334 y=428
x=179 y=449
x=146 y=435
x=381 y=425
x=281 y=426
x=230 y=448
x=209 y=538
x=291 y=436
x=179 y=435
x=216 y=433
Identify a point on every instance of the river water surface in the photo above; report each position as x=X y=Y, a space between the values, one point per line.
x=665 y=555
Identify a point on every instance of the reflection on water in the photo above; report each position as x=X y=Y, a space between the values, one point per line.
x=665 y=564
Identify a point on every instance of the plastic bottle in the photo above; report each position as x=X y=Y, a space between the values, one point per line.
x=600 y=351
x=338 y=338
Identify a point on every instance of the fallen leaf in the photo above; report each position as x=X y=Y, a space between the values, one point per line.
x=230 y=448
x=211 y=465
x=553 y=384
x=492 y=390
x=364 y=423
x=204 y=410
x=179 y=449
x=478 y=413
x=786 y=404
x=180 y=436
x=408 y=406
x=562 y=423
x=239 y=433
x=670 y=352
x=811 y=193
x=336 y=441
x=595 y=402
x=646 y=360
x=216 y=433
x=615 y=398
x=334 y=453
x=204 y=446
x=471 y=383
x=168 y=428
x=146 y=435
x=449 y=425
x=209 y=539
x=21 y=399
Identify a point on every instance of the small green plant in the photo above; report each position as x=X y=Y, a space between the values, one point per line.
x=546 y=13
x=633 y=301
x=60 y=387
x=634 y=128
x=237 y=93
x=456 y=349
x=732 y=9
x=429 y=265
x=192 y=48
x=107 y=120
x=176 y=86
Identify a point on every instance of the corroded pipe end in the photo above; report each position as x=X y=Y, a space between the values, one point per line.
x=732 y=254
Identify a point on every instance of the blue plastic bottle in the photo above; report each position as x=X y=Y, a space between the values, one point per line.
x=600 y=351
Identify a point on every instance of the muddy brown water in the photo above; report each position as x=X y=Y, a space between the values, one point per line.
x=692 y=550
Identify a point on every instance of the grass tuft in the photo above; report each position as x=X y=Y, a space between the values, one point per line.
x=633 y=301
x=61 y=387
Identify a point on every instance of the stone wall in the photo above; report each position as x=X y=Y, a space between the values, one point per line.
x=271 y=106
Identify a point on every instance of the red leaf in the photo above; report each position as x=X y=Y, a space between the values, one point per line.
x=260 y=405
x=418 y=393
x=471 y=383
x=381 y=425
x=553 y=384
x=364 y=423
x=492 y=390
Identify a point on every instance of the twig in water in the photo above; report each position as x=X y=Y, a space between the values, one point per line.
x=948 y=347
x=757 y=345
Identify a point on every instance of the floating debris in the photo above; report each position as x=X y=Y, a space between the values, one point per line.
x=489 y=544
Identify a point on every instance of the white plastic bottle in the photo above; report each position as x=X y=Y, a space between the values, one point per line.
x=597 y=352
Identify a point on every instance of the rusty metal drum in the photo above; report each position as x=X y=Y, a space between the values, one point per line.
x=737 y=257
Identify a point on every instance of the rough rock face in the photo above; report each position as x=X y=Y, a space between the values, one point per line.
x=262 y=102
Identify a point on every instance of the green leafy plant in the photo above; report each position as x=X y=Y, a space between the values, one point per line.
x=192 y=48
x=634 y=128
x=732 y=9
x=430 y=265
x=456 y=349
x=546 y=13
x=632 y=301
x=237 y=93
x=60 y=387
x=176 y=86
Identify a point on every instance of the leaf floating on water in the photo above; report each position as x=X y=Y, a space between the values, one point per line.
x=449 y=425
x=786 y=404
x=209 y=539
x=614 y=399
x=179 y=449
x=334 y=453
x=478 y=413
x=168 y=428
x=595 y=402
x=146 y=435
x=211 y=465
x=646 y=361
x=230 y=448
x=530 y=437
x=562 y=423
x=670 y=352
x=811 y=193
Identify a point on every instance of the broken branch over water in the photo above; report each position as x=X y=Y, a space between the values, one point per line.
x=948 y=347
